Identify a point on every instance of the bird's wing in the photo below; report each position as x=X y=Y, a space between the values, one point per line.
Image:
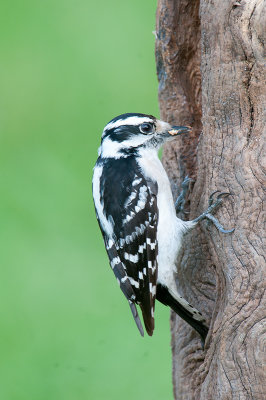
x=138 y=249
x=133 y=248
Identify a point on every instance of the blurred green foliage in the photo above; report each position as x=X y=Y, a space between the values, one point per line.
x=67 y=68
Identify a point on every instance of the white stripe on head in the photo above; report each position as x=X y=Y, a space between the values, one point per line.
x=127 y=121
x=111 y=149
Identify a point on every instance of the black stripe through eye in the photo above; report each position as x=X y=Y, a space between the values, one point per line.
x=146 y=127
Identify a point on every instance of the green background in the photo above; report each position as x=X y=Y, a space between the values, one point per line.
x=67 y=68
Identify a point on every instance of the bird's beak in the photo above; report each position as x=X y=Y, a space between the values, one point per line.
x=177 y=130
x=168 y=132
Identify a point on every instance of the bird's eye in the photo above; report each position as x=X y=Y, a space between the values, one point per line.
x=146 y=127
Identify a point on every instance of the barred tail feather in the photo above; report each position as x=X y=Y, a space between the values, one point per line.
x=136 y=317
x=167 y=299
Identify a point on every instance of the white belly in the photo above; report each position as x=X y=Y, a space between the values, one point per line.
x=170 y=229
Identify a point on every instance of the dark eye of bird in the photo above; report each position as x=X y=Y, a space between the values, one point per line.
x=146 y=127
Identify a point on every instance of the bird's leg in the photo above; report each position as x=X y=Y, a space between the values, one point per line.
x=213 y=205
x=180 y=201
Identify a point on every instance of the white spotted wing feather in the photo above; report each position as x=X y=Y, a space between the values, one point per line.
x=132 y=242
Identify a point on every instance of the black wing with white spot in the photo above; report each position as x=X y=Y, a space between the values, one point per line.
x=129 y=204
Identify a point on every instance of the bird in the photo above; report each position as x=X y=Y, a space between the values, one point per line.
x=138 y=219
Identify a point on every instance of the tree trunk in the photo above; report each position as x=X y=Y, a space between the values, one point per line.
x=210 y=68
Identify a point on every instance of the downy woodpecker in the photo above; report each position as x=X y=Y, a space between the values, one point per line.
x=137 y=216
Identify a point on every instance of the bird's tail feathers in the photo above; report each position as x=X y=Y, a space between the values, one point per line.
x=186 y=313
x=148 y=318
x=136 y=317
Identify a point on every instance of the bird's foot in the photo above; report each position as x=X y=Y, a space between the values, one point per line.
x=180 y=201
x=213 y=205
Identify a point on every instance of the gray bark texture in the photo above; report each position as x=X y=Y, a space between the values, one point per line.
x=209 y=56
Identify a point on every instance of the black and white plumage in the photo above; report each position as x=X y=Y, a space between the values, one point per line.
x=136 y=213
x=129 y=202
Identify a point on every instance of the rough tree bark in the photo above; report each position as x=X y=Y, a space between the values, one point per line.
x=209 y=57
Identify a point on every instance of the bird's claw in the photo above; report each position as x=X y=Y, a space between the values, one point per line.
x=180 y=202
x=219 y=226
x=212 y=207
x=186 y=182
x=225 y=194
x=218 y=200
x=211 y=196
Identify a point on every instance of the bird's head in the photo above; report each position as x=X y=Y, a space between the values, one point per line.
x=128 y=133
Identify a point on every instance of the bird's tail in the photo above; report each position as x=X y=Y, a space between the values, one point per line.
x=183 y=309
x=136 y=317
